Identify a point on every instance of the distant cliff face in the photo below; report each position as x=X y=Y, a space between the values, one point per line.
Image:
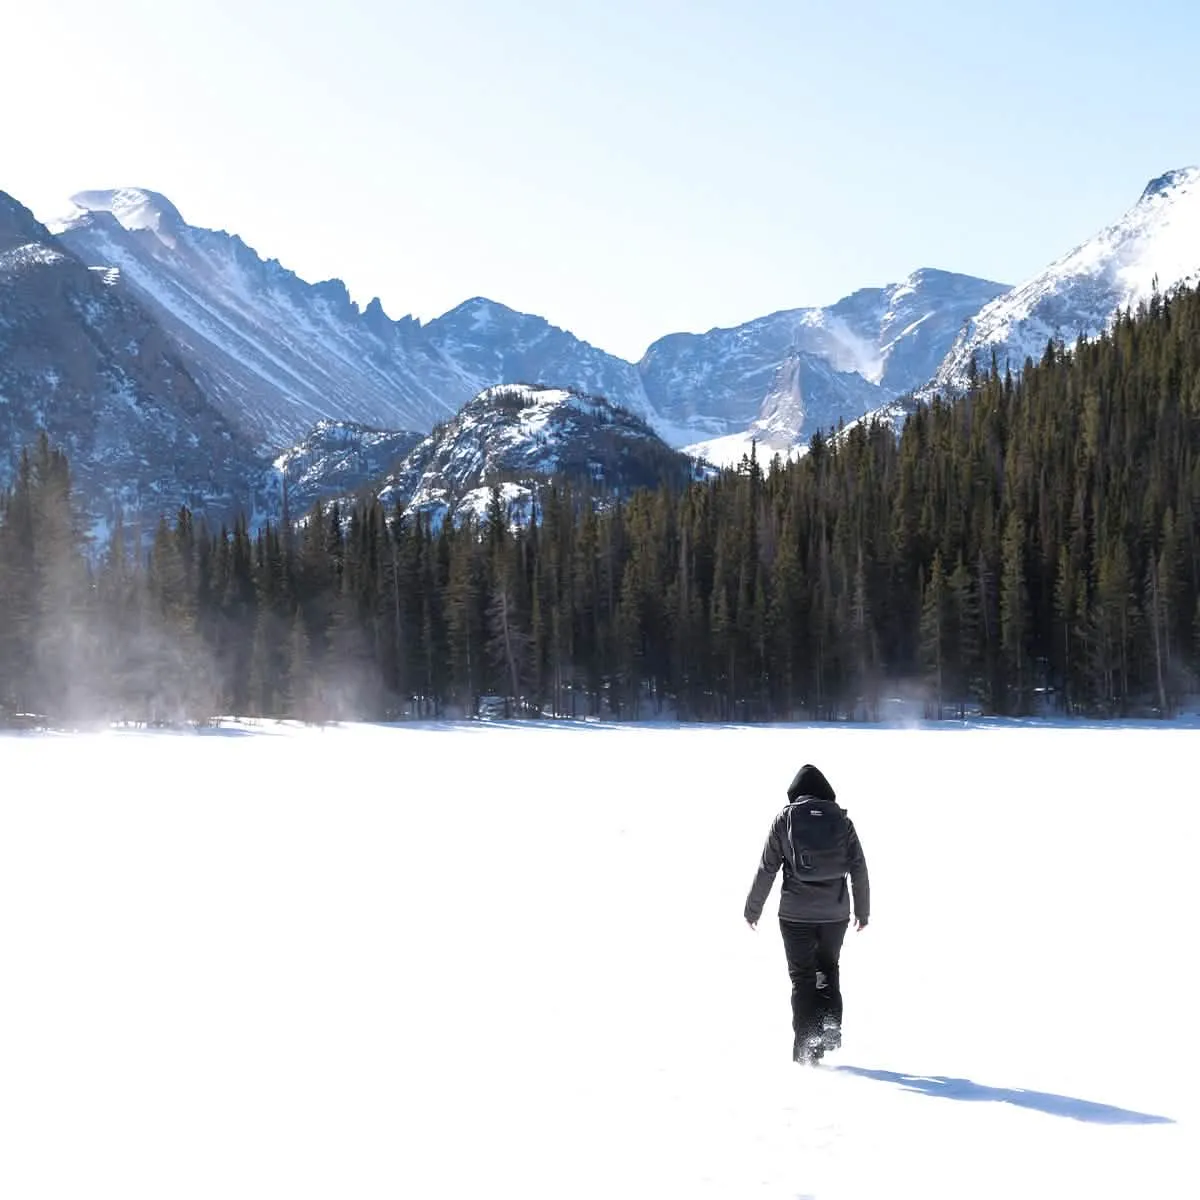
x=82 y=360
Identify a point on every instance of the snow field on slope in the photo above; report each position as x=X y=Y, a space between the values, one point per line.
x=33 y=254
x=467 y=961
x=1157 y=242
x=728 y=451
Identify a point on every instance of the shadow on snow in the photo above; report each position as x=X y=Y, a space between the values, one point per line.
x=1043 y=1102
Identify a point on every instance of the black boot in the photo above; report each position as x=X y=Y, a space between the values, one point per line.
x=831 y=1034
x=808 y=1050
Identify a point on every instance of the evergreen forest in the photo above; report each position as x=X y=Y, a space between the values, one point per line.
x=1030 y=547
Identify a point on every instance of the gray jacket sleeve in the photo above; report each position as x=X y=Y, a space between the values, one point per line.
x=768 y=867
x=860 y=883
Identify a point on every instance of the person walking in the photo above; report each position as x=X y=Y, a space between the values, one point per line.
x=816 y=844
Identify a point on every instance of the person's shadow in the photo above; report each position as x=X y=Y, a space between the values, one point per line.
x=1044 y=1102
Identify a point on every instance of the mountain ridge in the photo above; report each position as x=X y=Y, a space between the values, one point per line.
x=170 y=336
x=518 y=435
x=233 y=313
x=81 y=361
x=1154 y=245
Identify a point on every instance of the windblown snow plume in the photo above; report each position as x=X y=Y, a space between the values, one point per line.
x=1156 y=244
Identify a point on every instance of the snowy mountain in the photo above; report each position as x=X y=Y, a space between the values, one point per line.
x=223 y=344
x=777 y=429
x=277 y=354
x=274 y=353
x=83 y=361
x=117 y=376
x=492 y=344
x=1155 y=244
x=518 y=435
x=781 y=377
x=335 y=459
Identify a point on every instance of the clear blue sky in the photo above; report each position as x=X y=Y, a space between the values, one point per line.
x=625 y=168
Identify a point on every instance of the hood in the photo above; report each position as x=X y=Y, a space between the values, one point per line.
x=810 y=782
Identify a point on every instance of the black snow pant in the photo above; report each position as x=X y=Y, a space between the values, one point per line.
x=813 y=948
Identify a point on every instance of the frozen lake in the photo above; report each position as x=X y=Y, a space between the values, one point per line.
x=482 y=961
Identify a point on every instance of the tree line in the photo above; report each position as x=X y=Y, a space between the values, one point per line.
x=1031 y=546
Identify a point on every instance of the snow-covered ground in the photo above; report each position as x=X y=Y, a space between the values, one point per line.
x=728 y=451
x=472 y=961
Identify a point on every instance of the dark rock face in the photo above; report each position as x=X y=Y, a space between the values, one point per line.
x=85 y=362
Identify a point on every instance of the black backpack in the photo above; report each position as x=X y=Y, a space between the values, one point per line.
x=817 y=831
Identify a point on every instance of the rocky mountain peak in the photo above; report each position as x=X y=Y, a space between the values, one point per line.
x=18 y=226
x=132 y=208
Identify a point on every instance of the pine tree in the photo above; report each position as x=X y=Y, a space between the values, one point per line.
x=508 y=645
x=964 y=619
x=296 y=697
x=1066 y=606
x=935 y=632
x=1112 y=618
x=18 y=595
x=1014 y=614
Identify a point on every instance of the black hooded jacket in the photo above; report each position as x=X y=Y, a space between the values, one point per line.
x=815 y=842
